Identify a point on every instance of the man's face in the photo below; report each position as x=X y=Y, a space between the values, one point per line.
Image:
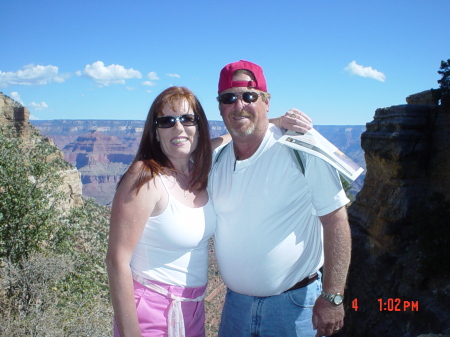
x=241 y=118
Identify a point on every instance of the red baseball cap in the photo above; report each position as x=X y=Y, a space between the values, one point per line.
x=226 y=76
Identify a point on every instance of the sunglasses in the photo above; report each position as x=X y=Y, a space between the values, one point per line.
x=166 y=122
x=230 y=98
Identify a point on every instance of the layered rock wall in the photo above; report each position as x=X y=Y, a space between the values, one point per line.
x=398 y=223
x=16 y=117
x=13 y=114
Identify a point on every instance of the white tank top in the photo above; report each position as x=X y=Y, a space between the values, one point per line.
x=173 y=248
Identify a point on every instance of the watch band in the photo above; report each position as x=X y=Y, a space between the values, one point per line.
x=336 y=299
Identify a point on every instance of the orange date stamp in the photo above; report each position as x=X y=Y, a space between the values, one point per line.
x=392 y=304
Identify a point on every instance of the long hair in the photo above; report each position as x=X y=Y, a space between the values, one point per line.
x=150 y=153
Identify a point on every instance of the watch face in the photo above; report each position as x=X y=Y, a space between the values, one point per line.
x=338 y=299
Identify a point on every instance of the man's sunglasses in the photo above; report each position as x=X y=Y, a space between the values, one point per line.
x=166 y=122
x=230 y=98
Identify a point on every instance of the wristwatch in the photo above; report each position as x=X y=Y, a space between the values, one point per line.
x=336 y=299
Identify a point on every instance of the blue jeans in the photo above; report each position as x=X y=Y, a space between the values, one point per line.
x=288 y=314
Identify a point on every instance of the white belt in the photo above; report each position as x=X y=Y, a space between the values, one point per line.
x=175 y=320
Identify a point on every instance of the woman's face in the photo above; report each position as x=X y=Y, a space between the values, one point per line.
x=179 y=141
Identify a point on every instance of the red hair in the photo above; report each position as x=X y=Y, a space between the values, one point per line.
x=153 y=158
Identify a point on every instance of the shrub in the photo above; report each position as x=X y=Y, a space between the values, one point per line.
x=52 y=272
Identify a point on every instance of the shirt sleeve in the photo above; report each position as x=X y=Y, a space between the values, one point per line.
x=325 y=186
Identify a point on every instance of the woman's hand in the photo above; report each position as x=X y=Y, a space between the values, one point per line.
x=294 y=120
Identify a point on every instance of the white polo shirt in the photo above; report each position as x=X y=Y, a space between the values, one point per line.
x=268 y=234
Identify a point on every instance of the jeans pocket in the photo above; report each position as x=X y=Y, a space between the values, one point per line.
x=305 y=297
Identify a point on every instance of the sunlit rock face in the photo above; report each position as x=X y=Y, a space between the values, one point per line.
x=399 y=273
x=13 y=114
x=101 y=159
x=16 y=117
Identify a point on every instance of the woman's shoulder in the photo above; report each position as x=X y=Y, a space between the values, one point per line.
x=139 y=184
x=139 y=175
x=137 y=166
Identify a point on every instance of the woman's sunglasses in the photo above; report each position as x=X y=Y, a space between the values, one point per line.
x=230 y=98
x=166 y=122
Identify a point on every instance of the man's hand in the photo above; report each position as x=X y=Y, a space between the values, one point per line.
x=295 y=120
x=327 y=318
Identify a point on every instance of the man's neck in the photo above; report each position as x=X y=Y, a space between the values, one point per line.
x=246 y=146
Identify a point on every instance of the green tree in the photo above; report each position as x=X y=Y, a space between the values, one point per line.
x=53 y=280
x=444 y=82
x=30 y=198
x=347 y=188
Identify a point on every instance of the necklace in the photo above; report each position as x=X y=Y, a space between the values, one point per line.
x=185 y=191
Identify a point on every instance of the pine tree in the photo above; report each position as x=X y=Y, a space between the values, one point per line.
x=444 y=82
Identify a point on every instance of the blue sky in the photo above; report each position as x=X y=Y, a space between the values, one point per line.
x=338 y=61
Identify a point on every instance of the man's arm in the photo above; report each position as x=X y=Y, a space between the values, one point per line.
x=327 y=317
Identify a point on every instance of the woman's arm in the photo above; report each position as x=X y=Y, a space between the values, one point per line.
x=224 y=139
x=129 y=214
x=293 y=120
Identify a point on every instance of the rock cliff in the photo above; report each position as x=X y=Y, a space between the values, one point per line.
x=16 y=117
x=101 y=159
x=398 y=282
x=101 y=150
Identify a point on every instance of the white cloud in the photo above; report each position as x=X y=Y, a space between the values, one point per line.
x=149 y=83
x=174 y=75
x=33 y=105
x=15 y=96
x=356 y=69
x=152 y=76
x=32 y=75
x=61 y=78
x=38 y=106
x=112 y=74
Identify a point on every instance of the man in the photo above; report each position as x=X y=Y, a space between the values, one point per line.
x=276 y=226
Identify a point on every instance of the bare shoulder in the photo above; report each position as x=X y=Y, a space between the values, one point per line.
x=130 y=212
x=129 y=196
x=136 y=167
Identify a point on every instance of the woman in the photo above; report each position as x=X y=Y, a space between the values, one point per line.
x=161 y=221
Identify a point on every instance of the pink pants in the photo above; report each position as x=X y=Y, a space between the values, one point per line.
x=152 y=309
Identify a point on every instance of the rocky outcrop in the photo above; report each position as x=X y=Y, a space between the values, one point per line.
x=398 y=282
x=427 y=97
x=13 y=114
x=16 y=117
x=101 y=159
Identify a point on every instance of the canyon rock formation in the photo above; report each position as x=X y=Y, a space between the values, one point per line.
x=101 y=150
x=101 y=160
x=398 y=283
x=16 y=117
